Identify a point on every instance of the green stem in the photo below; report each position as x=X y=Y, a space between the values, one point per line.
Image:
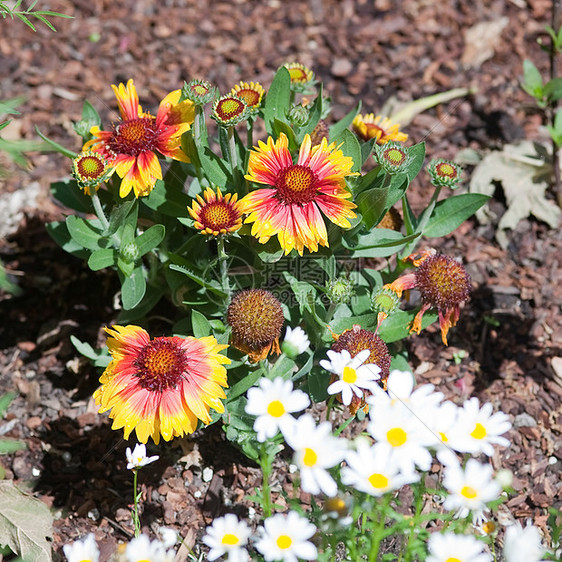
x=136 y=519
x=379 y=529
x=266 y=468
x=223 y=265
x=415 y=523
x=98 y=209
x=250 y=133
x=232 y=149
x=329 y=406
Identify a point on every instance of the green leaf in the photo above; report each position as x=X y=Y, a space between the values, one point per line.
x=282 y=127
x=5 y=401
x=277 y=100
x=532 y=84
x=213 y=167
x=372 y=204
x=243 y=385
x=87 y=233
x=347 y=142
x=71 y=196
x=397 y=326
x=553 y=89
x=167 y=198
x=100 y=259
x=200 y=325
x=90 y=114
x=25 y=524
x=119 y=215
x=98 y=357
x=58 y=231
x=150 y=239
x=56 y=146
x=380 y=242
x=315 y=113
x=450 y=213
x=337 y=128
x=133 y=288
x=8 y=446
x=211 y=285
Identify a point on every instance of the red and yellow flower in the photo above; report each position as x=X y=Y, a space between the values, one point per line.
x=381 y=128
x=251 y=92
x=443 y=283
x=291 y=207
x=214 y=214
x=131 y=146
x=161 y=387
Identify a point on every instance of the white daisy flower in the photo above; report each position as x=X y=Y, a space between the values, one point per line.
x=137 y=459
x=285 y=537
x=316 y=449
x=403 y=431
x=142 y=549
x=422 y=402
x=469 y=489
x=354 y=374
x=444 y=547
x=272 y=403
x=228 y=535
x=169 y=536
x=371 y=469
x=522 y=544
x=477 y=429
x=85 y=550
x=296 y=342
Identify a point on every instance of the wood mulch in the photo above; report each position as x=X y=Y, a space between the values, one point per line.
x=506 y=349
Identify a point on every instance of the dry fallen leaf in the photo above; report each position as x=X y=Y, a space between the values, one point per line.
x=481 y=41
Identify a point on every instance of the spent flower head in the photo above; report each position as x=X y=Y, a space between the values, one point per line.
x=286 y=537
x=256 y=319
x=85 y=550
x=137 y=458
x=228 y=536
x=272 y=403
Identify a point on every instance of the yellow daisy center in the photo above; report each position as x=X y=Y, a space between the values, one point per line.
x=296 y=184
x=310 y=457
x=251 y=97
x=443 y=437
x=396 y=436
x=489 y=527
x=453 y=559
x=218 y=216
x=229 y=108
x=284 y=542
x=378 y=481
x=349 y=375
x=134 y=136
x=276 y=409
x=469 y=492
x=479 y=432
x=160 y=364
x=229 y=538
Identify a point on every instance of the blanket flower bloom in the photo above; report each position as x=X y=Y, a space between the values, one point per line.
x=369 y=127
x=132 y=145
x=163 y=386
x=216 y=214
x=252 y=93
x=290 y=208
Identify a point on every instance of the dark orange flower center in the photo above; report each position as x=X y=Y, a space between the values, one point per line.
x=296 y=185
x=443 y=282
x=251 y=97
x=229 y=108
x=134 y=136
x=444 y=169
x=218 y=215
x=160 y=365
x=90 y=167
x=373 y=130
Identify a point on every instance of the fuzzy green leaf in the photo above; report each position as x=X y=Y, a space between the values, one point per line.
x=150 y=239
x=133 y=288
x=278 y=99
